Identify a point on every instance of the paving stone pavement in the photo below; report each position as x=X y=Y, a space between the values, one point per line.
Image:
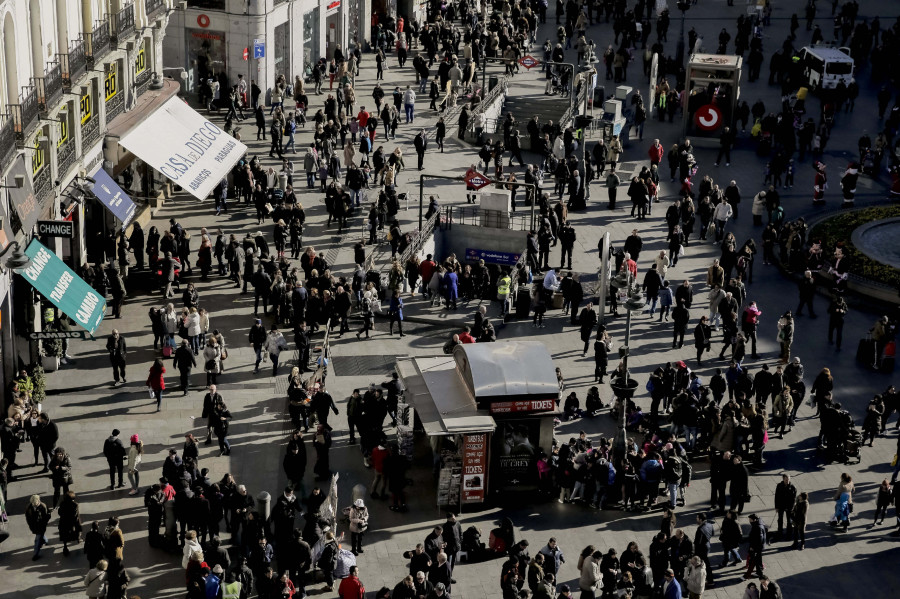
x=833 y=565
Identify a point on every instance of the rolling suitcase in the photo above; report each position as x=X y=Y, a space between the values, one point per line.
x=888 y=357
x=865 y=353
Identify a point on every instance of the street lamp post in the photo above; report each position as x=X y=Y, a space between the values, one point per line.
x=683 y=6
x=624 y=389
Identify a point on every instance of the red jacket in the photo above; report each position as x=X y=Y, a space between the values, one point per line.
x=426 y=269
x=155 y=379
x=351 y=588
x=466 y=338
x=656 y=153
x=377 y=458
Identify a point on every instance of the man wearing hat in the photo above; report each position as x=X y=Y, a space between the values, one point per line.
x=114 y=452
x=214 y=582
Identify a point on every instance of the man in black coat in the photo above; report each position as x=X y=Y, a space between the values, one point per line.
x=184 y=361
x=633 y=244
x=452 y=535
x=434 y=543
x=114 y=452
x=116 y=346
x=785 y=496
x=210 y=401
x=421 y=145
x=257 y=338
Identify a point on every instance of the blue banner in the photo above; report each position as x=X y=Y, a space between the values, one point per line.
x=492 y=257
x=112 y=196
x=53 y=279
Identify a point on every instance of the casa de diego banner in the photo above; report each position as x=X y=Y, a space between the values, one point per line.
x=53 y=279
x=184 y=146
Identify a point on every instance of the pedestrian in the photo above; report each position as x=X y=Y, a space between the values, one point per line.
x=695 y=578
x=184 y=361
x=359 y=524
x=322 y=445
x=731 y=538
x=274 y=345
x=114 y=452
x=156 y=381
x=135 y=456
x=757 y=540
x=69 y=521
x=221 y=418
x=60 y=473
x=395 y=313
x=37 y=515
x=95 y=580
x=117 y=348
x=212 y=355
x=785 y=500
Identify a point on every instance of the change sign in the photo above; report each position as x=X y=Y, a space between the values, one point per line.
x=67 y=291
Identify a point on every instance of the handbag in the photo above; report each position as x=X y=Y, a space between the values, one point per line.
x=150 y=391
x=680 y=251
x=224 y=355
x=894 y=461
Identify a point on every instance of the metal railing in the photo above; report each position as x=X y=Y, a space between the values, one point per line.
x=42 y=184
x=115 y=107
x=49 y=87
x=514 y=276
x=90 y=133
x=7 y=141
x=65 y=157
x=73 y=64
x=494 y=219
x=153 y=7
x=122 y=24
x=98 y=43
x=418 y=241
x=572 y=110
x=25 y=114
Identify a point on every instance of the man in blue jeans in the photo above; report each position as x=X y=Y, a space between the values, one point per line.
x=409 y=104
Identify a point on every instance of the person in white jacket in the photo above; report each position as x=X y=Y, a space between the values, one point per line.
x=194 y=330
x=716 y=295
x=95 y=581
x=170 y=320
x=191 y=546
x=135 y=456
x=591 y=580
x=721 y=215
x=695 y=577
x=274 y=344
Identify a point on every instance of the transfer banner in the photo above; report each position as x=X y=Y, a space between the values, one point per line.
x=53 y=279
x=184 y=146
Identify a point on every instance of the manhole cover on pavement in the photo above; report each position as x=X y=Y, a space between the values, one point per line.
x=364 y=365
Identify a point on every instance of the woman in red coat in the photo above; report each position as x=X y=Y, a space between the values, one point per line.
x=156 y=382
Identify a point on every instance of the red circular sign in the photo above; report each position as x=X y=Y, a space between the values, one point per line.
x=708 y=117
x=203 y=21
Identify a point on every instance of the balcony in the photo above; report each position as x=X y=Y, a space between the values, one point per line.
x=90 y=133
x=25 y=114
x=74 y=64
x=122 y=24
x=153 y=8
x=65 y=157
x=7 y=141
x=98 y=44
x=49 y=87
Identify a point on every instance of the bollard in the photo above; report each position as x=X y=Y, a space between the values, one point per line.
x=171 y=524
x=264 y=505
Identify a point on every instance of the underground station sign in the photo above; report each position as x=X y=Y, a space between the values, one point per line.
x=56 y=228
x=476 y=180
x=528 y=61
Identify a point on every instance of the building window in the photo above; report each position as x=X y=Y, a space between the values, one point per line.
x=282 y=51
x=311 y=37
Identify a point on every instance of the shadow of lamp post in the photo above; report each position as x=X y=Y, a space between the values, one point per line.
x=624 y=388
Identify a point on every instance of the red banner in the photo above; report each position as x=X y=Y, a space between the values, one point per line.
x=474 y=468
x=529 y=405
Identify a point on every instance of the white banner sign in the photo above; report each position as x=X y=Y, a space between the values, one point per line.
x=185 y=147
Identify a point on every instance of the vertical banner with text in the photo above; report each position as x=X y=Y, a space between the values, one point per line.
x=474 y=468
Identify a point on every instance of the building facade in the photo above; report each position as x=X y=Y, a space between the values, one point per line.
x=260 y=39
x=71 y=72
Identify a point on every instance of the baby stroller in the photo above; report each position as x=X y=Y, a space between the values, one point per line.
x=842 y=446
x=868 y=163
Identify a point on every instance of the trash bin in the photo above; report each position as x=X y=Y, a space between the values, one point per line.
x=264 y=505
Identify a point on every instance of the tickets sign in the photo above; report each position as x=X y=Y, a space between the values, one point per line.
x=526 y=405
x=474 y=468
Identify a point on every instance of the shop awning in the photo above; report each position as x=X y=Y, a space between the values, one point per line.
x=53 y=279
x=111 y=195
x=441 y=399
x=184 y=146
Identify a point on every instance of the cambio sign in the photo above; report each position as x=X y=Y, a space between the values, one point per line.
x=58 y=283
x=185 y=147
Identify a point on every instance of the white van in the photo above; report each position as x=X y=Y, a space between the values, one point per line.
x=824 y=67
